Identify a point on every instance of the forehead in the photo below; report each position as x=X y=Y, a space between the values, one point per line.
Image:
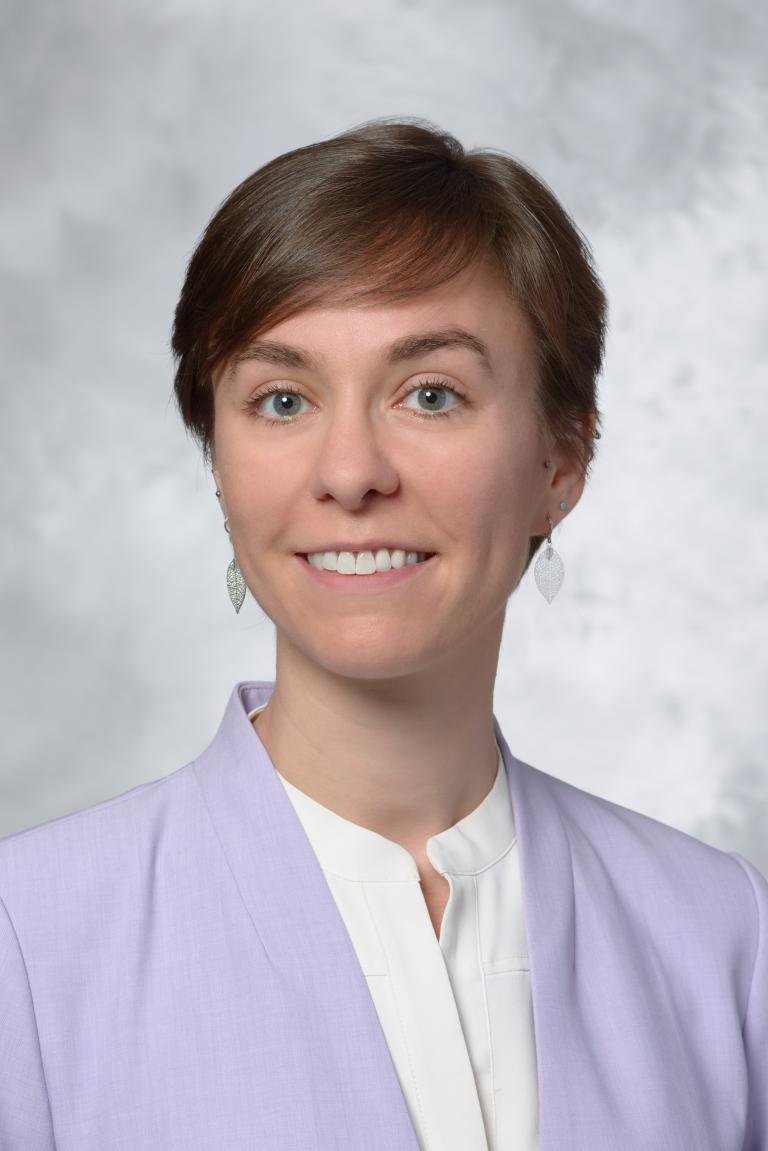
x=474 y=312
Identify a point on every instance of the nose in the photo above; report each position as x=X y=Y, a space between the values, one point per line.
x=351 y=456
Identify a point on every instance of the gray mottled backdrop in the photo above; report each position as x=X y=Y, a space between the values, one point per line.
x=125 y=125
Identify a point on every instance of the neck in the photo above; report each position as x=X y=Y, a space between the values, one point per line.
x=406 y=756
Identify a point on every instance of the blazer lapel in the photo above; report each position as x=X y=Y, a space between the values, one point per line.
x=615 y=1062
x=546 y=872
x=304 y=939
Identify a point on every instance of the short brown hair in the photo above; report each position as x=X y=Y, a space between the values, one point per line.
x=388 y=209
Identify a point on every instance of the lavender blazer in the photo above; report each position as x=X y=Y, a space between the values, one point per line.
x=175 y=975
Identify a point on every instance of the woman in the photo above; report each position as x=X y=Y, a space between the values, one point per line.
x=357 y=920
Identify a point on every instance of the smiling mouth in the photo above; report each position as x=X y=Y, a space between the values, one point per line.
x=422 y=558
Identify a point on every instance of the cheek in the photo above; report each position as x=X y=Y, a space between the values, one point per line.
x=491 y=491
x=247 y=471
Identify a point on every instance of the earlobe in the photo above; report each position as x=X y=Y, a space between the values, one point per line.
x=218 y=492
x=564 y=476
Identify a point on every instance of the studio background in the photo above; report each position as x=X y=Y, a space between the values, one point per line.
x=125 y=125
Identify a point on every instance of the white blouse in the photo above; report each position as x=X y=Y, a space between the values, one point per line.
x=456 y=1013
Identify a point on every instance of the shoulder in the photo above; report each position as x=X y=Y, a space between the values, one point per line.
x=642 y=844
x=50 y=872
x=664 y=874
x=90 y=823
x=629 y=835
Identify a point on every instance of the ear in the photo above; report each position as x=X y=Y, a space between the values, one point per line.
x=566 y=479
x=214 y=469
x=220 y=498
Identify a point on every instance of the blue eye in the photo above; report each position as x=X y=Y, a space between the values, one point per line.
x=288 y=396
x=253 y=403
x=432 y=388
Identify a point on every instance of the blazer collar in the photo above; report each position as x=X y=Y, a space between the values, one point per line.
x=304 y=936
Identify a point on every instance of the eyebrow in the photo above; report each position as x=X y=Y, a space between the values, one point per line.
x=406 y=348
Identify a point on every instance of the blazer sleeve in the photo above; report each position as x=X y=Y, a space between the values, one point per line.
x=756 y=1019
x=25 y=1113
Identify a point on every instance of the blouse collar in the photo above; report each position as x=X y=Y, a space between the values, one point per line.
x=354 y=852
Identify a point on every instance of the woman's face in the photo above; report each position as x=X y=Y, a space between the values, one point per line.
x=356 y=452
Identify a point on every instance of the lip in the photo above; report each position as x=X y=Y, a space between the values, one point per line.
x=379 y=581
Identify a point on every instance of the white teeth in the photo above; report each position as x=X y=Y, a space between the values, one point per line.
x=364 y=563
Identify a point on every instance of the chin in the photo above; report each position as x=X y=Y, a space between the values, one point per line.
x=350 y=658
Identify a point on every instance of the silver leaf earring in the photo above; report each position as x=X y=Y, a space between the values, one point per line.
x=235 y=584
x=549 y=570
x=235 y=580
